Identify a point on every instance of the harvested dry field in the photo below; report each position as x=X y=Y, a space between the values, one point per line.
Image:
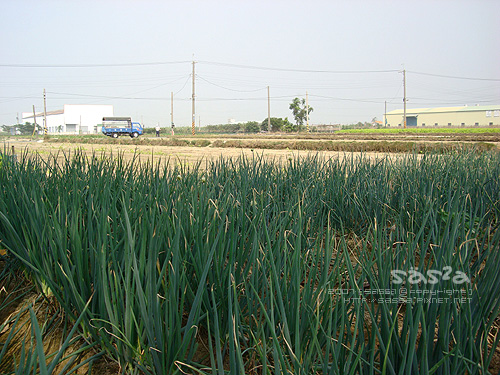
x=186 y=155
x=190 y=149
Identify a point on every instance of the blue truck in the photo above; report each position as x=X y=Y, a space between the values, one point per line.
x=116 y=126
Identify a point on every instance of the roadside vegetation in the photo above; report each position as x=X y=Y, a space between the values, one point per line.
x=254 y=267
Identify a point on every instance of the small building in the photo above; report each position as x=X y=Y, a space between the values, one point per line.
x=72 y=119
x=326 y=128
x=445 y=116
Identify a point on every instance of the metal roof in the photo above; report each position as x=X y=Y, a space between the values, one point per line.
x=49 y=113
x=418 y=111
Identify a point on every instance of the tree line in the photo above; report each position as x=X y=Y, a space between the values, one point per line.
x=299 y=109
x=24 y=129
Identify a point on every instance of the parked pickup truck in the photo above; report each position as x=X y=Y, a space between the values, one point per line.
x=116 y=126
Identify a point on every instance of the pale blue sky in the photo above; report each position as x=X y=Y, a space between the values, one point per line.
x=345 y=54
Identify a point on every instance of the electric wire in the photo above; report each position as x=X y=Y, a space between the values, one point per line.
x=227 y=88
x=92 y=65
x=296 y=70
x=453 y=77
x=281 y=83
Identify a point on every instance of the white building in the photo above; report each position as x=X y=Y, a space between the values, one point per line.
x=478 y=115
x=72 y=119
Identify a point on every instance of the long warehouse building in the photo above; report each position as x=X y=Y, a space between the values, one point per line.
x=446 y=116
x=72 y=119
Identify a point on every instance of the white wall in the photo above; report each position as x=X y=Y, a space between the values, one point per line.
x=75 y=119
x=53 y=120
x=86 y=116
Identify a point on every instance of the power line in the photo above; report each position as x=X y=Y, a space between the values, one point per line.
x=205 y=99
x=94 y=84
x=227 y=88
x=220 y=80
x=454 y=77
x=430 y=101
x=349 y=99
x=185 y=83
x=90 y=65
x=277 y=97
x=133 y=93
x=241 y=66
x=155 y=87
x=102 y=96
x=296 y=70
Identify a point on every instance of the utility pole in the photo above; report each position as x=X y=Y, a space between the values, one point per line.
x=172 y=111
x=404 y=97
x=193 y=112
x=385 y=113
x=45 y=113
x=268 y=111
x=307 y=112
x=34 y=120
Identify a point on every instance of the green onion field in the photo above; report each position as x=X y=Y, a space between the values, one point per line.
x=248 y=266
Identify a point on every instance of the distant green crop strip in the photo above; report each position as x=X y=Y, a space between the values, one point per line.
x=250 y=266
x=422 y=131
